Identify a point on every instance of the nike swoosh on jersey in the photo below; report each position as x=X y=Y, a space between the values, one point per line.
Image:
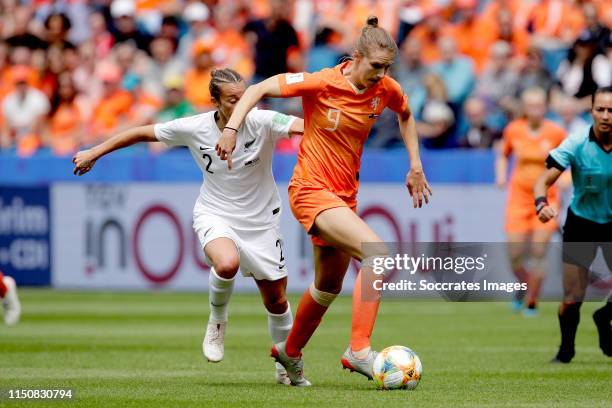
x=205 y=148
x=249 y=143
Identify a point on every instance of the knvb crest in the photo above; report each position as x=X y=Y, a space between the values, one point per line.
x=374 y=103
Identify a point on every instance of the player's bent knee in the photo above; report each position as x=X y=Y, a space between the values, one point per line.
x=227 y=268
x=276 y=304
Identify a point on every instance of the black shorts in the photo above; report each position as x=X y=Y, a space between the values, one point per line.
x=582 y=238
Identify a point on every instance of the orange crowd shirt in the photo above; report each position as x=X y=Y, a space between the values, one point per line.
x=338 y=118
x=530 y=150
x=63 y=125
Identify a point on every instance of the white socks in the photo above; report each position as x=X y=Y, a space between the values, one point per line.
x=279 y=325
x=219 y=292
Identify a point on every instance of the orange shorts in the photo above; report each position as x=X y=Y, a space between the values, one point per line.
x=307 y=200
x=521 y=216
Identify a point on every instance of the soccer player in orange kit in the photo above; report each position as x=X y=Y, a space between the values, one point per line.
x=529 y=140
x=340 y=106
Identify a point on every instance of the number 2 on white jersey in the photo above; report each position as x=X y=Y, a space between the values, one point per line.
x=333 y=115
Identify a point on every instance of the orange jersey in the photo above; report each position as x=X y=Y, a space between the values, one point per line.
x=530 y=150
x=338 y=119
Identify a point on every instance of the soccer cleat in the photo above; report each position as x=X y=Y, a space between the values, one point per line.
x=213 y=345
x=352 y=363
x=605 y=332
x=564 y=356
x=10 y=302
x=281 y=375
x=530 y=312
x=293 y=365
x=516 y=305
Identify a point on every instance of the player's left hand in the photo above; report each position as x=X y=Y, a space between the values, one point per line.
x=83 y=162
x=225 y=146
x=418 y=187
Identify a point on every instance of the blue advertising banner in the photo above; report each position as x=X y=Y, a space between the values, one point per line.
x=25 y=252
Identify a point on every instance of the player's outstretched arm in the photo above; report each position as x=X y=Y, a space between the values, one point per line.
x=253 y=94
x=417 y=184
x=548 y=178
x=85 y=159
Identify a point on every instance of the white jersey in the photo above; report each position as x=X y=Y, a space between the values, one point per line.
x=245 y=196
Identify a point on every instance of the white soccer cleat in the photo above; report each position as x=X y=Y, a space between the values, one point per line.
x=213 y=345
x=352 y=363
x=294 y=366
x=10 y=302
x=281 y=375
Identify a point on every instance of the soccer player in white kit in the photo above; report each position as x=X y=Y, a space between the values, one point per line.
x=237 y=213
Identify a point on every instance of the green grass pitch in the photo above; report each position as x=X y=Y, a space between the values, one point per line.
x=144 y=350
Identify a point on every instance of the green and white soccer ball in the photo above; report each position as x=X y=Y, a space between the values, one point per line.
x=397 y=368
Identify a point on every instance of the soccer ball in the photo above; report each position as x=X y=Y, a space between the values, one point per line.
x=397 y=367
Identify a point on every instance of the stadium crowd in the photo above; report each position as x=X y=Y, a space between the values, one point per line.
x=74 y=72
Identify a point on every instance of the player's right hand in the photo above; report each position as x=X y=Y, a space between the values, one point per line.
x=546 y=214
x=83 y=162
x=225 y=146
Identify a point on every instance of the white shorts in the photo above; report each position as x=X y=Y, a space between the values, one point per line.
x=260 y=251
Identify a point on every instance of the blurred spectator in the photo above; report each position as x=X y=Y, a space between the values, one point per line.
x=411 y=13
x=21 y=34
x=567 y=114
x=176 y=106
x=410 y=73
x=57 y=26
x=273 y=39
x=196 y=15
x=429 y=32
x=125 y=55
x=231 y=48
x=20 y=56
x=325 y=51
x=497 y=83
x=456 y=70
x=555 y=22
x=4 y=56
x=111 y=114
x=436 y=126
x=54 y=64
x=67 y=118
x=162 y=64
x=472 y=34
x=170 y=29
x=198 y=77
x=532 y=73
x=600 y=32
x=504 y=30
x=101 y=39
x=84 y=76
x=476 y=132
x=584 y=70
x=519 y=10
x=23 y=111
x=125 y=27
x=144 y=105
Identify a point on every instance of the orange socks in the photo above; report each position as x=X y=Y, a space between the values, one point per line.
x=365 y=310
x=3 y=288
x=307 y=319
